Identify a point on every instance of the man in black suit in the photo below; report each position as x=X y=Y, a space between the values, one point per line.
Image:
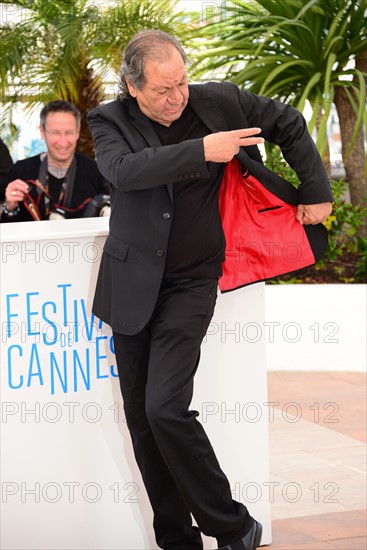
x=65 y=181
x=166 y=148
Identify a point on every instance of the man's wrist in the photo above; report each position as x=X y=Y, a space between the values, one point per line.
x=10 y=212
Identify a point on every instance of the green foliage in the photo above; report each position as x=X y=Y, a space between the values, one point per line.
x=362 y=261
x=290 y=51
x=71 y=49
x=276 y=163
x=344 y=223
x=346 y=257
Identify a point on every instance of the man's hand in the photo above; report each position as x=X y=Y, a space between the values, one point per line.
x=311 y=214
x=14 y=193
x=223 y=146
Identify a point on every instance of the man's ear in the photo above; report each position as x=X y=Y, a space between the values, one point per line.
x=131 y=88
x=42 y=131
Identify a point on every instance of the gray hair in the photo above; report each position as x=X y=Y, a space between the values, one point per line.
x=150 y=44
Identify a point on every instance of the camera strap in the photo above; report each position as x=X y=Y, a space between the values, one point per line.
x=33 y=209
x=67 y=187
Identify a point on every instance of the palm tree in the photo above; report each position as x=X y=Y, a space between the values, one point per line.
x=72 y=49
x=297 y=51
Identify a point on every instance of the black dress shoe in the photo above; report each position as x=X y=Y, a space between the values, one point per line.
x=249 y=542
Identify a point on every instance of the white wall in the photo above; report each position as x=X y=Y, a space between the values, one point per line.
x=315 y=327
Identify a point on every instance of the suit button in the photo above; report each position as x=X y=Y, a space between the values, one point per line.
x=192 y=175
x=160 y=252
x=198 y=174
x=166 y=216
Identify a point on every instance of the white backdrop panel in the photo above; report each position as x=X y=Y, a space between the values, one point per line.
x=69 y=479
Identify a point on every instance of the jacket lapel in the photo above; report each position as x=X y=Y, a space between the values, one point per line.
x=207 y=110
x=204 y=106
x=143 y=125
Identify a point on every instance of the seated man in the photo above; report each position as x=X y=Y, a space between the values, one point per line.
x=58 y=183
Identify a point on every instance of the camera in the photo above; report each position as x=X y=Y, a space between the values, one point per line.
x=99 y=206
x=58 y=214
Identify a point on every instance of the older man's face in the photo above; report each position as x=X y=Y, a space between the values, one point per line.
x=165 y=93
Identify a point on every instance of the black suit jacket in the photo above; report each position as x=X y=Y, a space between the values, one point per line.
x=5 y=164
x=142 y=173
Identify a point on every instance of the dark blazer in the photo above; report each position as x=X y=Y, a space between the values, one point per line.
x=142 y=173
x=5 y=164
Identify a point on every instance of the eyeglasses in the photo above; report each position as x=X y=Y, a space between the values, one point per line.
x=57 y=133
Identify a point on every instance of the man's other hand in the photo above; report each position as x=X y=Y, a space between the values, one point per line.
x=311 y=214
x=15 y=192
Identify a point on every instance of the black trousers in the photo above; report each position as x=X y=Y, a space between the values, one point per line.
x=177 y=462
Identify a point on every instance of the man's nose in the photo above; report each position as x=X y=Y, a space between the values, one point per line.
x=175 y=95
x=63 y=139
